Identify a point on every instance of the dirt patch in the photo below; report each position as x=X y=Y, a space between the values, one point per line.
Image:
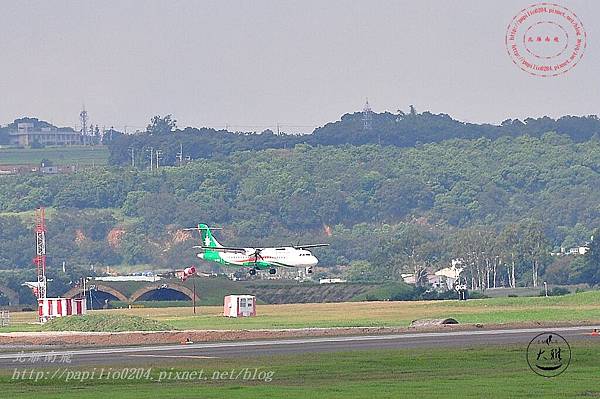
x=432 y=322
x=73 y=339
x=115 y=236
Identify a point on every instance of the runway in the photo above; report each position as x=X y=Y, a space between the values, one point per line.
x=242 y=349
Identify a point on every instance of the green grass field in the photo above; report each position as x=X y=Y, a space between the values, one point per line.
x=77 y=155
x=477 y=372
x=584 y=306
x=481 y=372
x=97 y=322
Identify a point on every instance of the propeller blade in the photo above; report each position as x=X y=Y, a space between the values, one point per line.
x=257 y=255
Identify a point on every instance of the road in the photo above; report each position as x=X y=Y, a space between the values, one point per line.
x=241 y=349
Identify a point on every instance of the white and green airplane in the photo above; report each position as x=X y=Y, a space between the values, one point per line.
x=256 y=258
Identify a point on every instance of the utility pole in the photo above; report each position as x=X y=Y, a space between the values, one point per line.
x=132 y=157
x=194 y=299
x=151 y=157
x=158 y=154
x=180 y=154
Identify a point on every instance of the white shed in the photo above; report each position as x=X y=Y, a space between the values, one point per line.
x=239 y=306
x=49 y=308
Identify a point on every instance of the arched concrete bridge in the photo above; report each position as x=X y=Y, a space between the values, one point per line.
x=76 y=291
x=96 y=286
x=158 y=286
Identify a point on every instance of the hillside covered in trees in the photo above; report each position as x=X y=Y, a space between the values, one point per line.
x=386 y=129
x=501 y=204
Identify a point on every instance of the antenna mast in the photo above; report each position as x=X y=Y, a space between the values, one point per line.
x=40 y=258
x=83 y=117
x=367 y=116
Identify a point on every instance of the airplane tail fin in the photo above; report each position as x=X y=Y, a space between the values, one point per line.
x=208 y=240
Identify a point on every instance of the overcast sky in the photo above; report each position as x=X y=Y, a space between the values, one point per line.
x=263 y=62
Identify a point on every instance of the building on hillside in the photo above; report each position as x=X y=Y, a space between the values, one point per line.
x=449 y=276
x=27 y=134
x=444 y=279
x=332 y=280
x=20 y=169
x=580 y=250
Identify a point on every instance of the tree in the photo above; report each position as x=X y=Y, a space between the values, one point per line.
x=362 y=270
x=509 y=240
x=588 y=270
x=535 y=248
x=4 y=136
x=161 y=125
x=135 y=249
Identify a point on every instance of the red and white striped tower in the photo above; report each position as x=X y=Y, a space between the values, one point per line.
x=40 y=259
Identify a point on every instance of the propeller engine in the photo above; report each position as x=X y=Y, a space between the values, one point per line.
x=256 y=255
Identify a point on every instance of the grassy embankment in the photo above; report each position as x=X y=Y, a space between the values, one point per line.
x=583 y=306
x=77 y=155
x=482 y=372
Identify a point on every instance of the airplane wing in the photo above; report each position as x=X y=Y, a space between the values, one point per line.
x=223 y=249
x=310 y=246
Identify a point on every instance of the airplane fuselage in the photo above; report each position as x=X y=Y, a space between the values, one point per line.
x=269 y=258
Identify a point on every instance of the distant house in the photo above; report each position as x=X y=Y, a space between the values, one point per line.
x=49 y=170
x=332 y=280
x=581 y=250
x=409 y=278
x=442 y=279
x=449 y=275
x=32 y=132
x=18 y=169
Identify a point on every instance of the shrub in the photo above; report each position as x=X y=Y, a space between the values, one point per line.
x=556 y=291
x=389 y=292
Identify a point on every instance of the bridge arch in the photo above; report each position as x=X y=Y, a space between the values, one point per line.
x=155 y=287
x=12 y=295
x=75 y=291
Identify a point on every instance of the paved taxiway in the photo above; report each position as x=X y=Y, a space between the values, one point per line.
x=240 y=349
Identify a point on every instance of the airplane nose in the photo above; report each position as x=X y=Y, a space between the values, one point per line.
x=201 y=256
x=313 y=261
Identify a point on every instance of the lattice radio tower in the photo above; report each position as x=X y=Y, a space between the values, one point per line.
x=40 y=258
x=367 y=116
x=83 y=117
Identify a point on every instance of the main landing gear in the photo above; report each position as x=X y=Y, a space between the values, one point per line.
x=253 y=271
